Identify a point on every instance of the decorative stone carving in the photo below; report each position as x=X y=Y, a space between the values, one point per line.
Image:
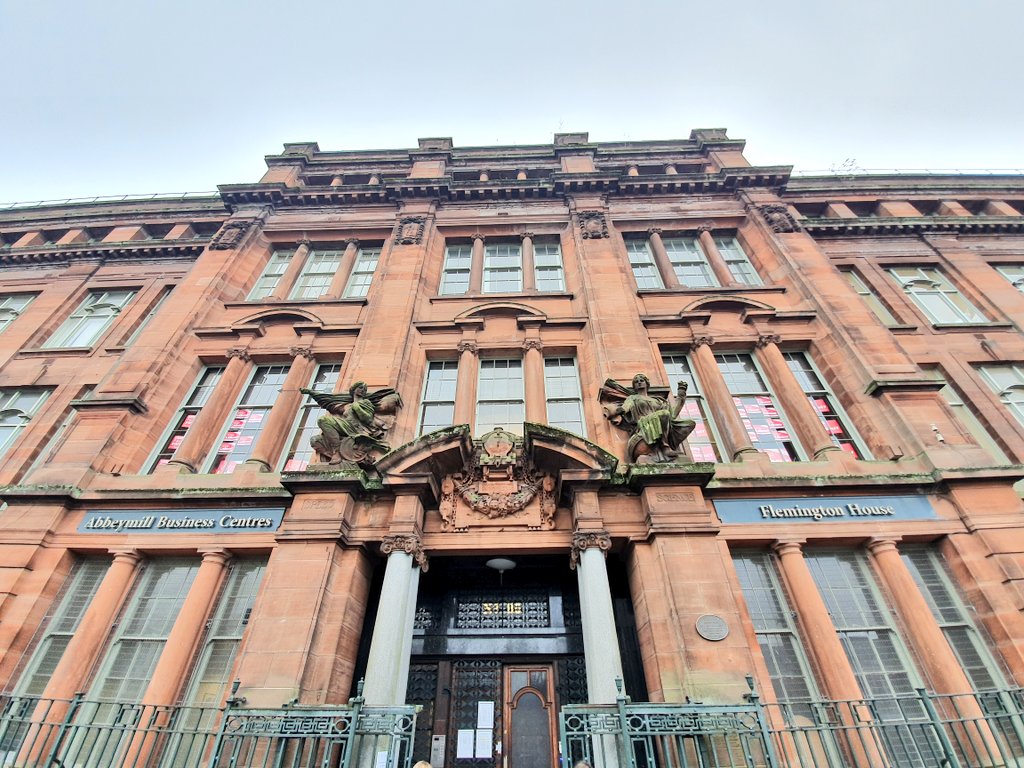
x=593 y=225
x=408 y=543
x=230 y=235
x=526 y=235
x=700 y=341
x=238 y=352
x=767 y=338
x=305 y=352
x=533 y=344
x=499 y=483
x=409 y=230
x=653 y=423
x=653 y=231
x=351 y=432
x=467 y=346
x=779 y=218
x=584 y=540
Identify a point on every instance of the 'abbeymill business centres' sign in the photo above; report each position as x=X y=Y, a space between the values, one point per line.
x=183 y=521
x=831 y=509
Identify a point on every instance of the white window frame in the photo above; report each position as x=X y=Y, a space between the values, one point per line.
x=304 y=427
x=978 y=431
x=867 y=293
x=824 y=392
x=433 y=387
x=317 y=274
x=502 y=268
x=512 y=401
x=928 y=286
x=106 y=304
x=671 y=362
x=198 y=396
x=240 y=404
x=689 y=262
x=1012 y=394
x=564 y=391
x=272 y=273
x=361 y=277
x=458 y=264
x=11 y=307
x=642 y=263
x=737 y=261
x=548 y=266
x=18 y=405
x=1014 y=273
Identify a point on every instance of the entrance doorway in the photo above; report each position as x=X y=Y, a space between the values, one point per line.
x=530 y=720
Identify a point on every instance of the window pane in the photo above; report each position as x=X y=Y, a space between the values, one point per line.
x=547 y=261
x=736 y=260
x=689 y=262
x=17 y=407
x=89 y=322
x=935 y=296
x=11 y=307
x=824 y=403
x=187 y=414
x=761 y=416
x=279 y=261
x=437 y=409
x=500 y=399
x=642 y=262
x=503 y=268
x=458 y=260
x=362 y=272
x=702 y=442
x=562 y=389
x=240 y=434
x=300 y=452
x=317 y=274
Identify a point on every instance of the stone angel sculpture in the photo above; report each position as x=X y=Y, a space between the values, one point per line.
x=655 y=430
x=351 y=430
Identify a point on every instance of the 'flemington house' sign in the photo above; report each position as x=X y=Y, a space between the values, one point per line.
x=182 y=521
x=830 y=509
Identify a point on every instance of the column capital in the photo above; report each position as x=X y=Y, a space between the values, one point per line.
x=788 y=546
x=767 y=338
x=217 y=555
x=351 y=241
x=533 y=344
x=878 y=544
x=478 y=236
x=410 y=544
x=701 y=341
x=526 y=235
x=707 y=226
x=238 y=352
x=130 y=556
x=584 y=540
x=305 y=241
x=468 y=346
x=306 y=352
x=653 y=231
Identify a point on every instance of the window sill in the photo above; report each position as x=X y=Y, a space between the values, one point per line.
x=62 y=351
x=972 y=326
x=477 y=297
x=725 y=289
x=360 y=300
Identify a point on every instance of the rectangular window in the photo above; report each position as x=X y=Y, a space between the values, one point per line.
x=1014 y=273
x=702 y=441
x=149 y=316
x=869 y=296
x=736 y=260
x=761 y=416
x=935 y=296
x=437 y=407
x=1007 y=381
x=300 y=452
x=641 y=260
x=503 y=268
x=978 y=431
x=950 y=612
x=689 y=262
x=562 y=390
x=774 y=627
x=279 y=261
x=186 y=414
x=317 y=274
x=362 y=272
x=458 y=261
x=547 y=267
x=500 y=400
x=239 y=436
x=91 y=320
x=824 y=403
x=11 y=307
x=17 y=407
x=78 y=594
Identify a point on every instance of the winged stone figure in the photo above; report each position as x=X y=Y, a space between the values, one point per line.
x=655 y=430
x=351 y=430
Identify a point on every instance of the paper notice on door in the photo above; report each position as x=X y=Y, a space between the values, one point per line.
x=382 y=760
x=484 y=740
x=485 y=714
x=464 y=746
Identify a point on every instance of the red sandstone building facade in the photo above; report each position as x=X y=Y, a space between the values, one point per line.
x=842 y=524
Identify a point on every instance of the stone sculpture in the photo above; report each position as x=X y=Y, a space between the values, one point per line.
x=351 y=430
x=655 y=430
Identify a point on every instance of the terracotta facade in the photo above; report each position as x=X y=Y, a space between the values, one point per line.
x=152 y=353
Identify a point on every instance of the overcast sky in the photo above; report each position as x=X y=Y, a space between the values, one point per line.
x=132 y=96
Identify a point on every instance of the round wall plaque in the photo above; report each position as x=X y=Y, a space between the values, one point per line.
x=712 y=627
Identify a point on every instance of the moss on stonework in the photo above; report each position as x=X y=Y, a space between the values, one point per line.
x=41 y=490
x=605 y=458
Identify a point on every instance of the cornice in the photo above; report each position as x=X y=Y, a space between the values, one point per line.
x=865 y=225
x=149 y=249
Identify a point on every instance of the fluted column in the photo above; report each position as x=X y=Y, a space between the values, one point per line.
x=291 y=273
x=340 y=279
x=665 y=269
x=734 y=434
x=533 y=377
x=718 y=265
x=387 y=669
x=476 y=268
x=199 y=439
x=812 y=433
x=465 y=383
x=529 y=271
x=270 y=441
x=600 y=638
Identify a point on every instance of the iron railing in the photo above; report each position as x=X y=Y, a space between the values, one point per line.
x=80 y=733
x=924 y=730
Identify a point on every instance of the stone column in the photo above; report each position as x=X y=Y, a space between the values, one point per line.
x=476 y=269
x=529 y=271
x=276 y=428
x=291 y=273
x=668 y=273
x=718 y=265
x=198 y=440
x=387 y=669
x=71 y=672
x=340 y=279
x=812 y=433
x=600 y=638
x=734 y=434
x=465 y=384
x=533 y=380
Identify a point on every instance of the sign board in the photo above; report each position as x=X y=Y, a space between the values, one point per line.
x=217 y=521
x=827 y=509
